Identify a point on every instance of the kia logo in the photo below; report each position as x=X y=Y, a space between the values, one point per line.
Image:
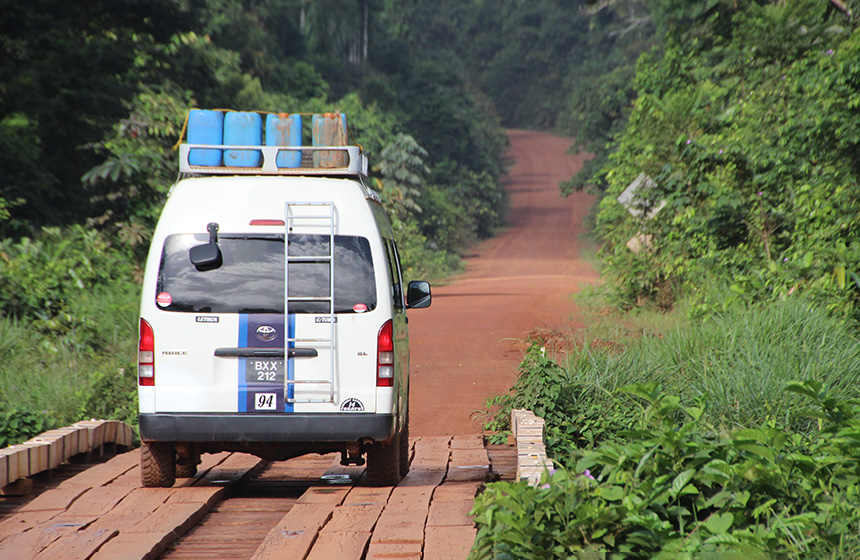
x=266 y=333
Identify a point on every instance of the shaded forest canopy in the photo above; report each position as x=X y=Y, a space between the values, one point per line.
x=94 y=95
x=743 y=113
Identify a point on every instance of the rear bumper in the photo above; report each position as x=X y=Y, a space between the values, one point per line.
x=266 y=428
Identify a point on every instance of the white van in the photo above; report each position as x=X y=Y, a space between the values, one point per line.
x=249 y=343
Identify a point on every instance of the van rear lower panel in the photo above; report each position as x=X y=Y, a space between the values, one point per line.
x=266 y=428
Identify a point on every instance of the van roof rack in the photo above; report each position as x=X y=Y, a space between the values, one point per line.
x=318 y=161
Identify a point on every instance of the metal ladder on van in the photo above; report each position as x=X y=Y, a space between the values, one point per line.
x=319 y=215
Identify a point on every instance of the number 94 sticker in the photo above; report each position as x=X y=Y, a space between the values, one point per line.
x=265 y=401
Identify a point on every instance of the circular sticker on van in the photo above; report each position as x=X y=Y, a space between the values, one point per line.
x=352 y=405
x=163 y=299
x=359 y=308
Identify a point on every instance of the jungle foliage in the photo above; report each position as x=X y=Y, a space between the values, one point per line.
x=730 y=438
x=743 y=113
x=747 y=123
x=93 y=97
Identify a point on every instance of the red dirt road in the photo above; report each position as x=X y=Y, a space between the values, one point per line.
x=466 y=347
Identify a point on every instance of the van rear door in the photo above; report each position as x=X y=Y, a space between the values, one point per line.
x=234 y=332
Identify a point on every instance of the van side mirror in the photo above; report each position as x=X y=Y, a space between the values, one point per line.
x=418 y=295
x=208 y=256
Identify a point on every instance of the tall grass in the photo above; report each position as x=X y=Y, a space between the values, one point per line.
x=64 y=370
x=736 y=364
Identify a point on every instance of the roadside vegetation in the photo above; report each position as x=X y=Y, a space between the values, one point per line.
x=712 y=411
x=93 y=100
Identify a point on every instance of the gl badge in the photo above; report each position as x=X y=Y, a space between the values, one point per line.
x=266 y=333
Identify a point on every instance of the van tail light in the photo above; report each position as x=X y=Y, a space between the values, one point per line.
x=146 y=356
x=385 y=356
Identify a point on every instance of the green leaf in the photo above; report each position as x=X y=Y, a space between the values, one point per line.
x=756 y=449
x=742 y=497
x=610 y=493
x=719 y=523
x=751 y=434
x=681 y=481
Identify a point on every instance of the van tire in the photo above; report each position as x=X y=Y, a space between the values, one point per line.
x=383 y=463
x=157 y=464
x=404 y=449
x=185 y=470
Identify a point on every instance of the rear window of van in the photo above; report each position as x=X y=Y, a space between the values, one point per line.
x=251 y=278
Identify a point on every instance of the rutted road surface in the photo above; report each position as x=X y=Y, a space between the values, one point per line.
x=465 y=349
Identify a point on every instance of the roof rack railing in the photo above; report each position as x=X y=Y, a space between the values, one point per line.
x=316 y=161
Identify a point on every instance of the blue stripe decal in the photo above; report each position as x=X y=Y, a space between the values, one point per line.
x=243 y=383
x=289 y=363
x=261 y=381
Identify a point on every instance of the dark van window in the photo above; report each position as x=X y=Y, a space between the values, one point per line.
x=251 y=278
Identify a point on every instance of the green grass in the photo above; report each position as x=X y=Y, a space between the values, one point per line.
x=67 y=369
x=737 y=364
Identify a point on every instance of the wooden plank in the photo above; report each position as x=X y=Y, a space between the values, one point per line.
x=321 y=495
x=93 y=431
x=448 y=543
x=39 y=456
x=170 y=518
x=468 y=464
x=469 y=441
x=431 y=453
x=450 y=513
x=21 y=522
x=399 y=533
x=135 y=546
x=422 y=478
x=366 y=495
x=133 y=508
x=457 y=491
x=208 y=495
x=231 y=469
x=98 y=501
x=80 y=544
x=296 y=533
x=353 y=518
x=31 y=542
x=19 y=461
x=55 y=442
x=340 y=545
x=71 y=441
x=57 y=499
x=129 y=479
x=4 y=470
x=104 y=473
x=394 y=550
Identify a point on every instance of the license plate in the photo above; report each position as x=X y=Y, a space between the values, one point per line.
x=264 y=371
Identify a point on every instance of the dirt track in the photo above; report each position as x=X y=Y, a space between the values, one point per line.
x=467 y=346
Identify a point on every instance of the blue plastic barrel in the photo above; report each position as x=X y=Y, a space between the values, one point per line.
x=285 y=130
x=329 y=129
x=205 y=127
x=243 y=129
